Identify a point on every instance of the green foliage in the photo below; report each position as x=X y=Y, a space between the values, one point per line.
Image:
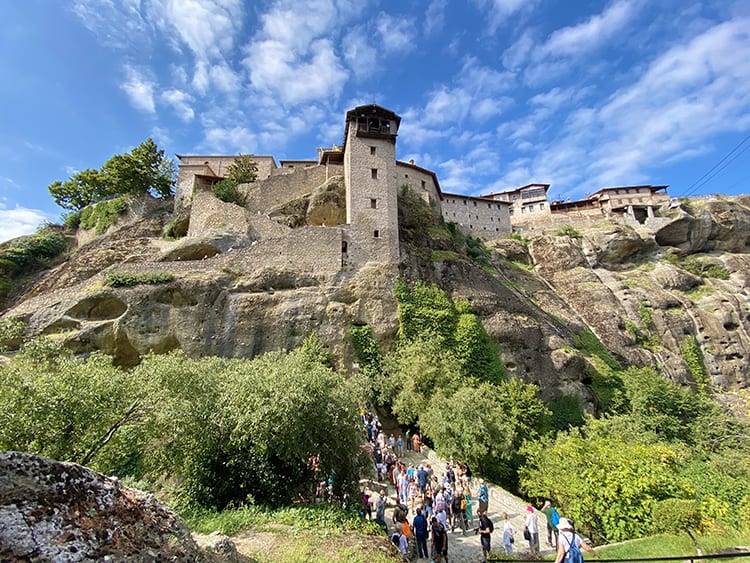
x=475 y=351
x=243 y=170
x=520 y=238
x=659 y=405
x=673 y=515
x=692 y=355
x=587 y=342
x=699 y=267
x=425 y=311
x=645 y=339
x=102 y=215
x=567 y=231
x=566 y=413
x=143 y=170
x=607 y=385
x=72 y=220
x=366 y=349
x=11 y=332
x=597 y=476
x=65 y=408
x=437 y=256
x=33 y=251
x=645 y=312
x=226 y=190
x=129 y=279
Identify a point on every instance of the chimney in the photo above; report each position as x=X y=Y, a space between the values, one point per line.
x=411 y=162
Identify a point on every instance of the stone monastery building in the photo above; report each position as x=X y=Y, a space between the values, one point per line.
x=351 y=191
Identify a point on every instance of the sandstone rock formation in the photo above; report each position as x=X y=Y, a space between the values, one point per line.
x=263 y=285
x=53 y=511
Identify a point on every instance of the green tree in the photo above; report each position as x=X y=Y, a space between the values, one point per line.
x=475 y=350
x=243 y=170
x=597 y=475
x=82 y=189
x=143 y=170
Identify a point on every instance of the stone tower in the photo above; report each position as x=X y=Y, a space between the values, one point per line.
x=371 y=181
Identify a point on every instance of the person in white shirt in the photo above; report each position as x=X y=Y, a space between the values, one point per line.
x=567 y=538
x=533 y=527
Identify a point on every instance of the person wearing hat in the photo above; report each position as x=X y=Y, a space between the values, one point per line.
x=532 y=526
x=568 y=538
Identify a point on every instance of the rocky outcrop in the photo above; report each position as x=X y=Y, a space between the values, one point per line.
x=239 y=295
x=53 y=511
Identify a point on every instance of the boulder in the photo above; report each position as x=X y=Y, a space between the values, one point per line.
x=54 y=511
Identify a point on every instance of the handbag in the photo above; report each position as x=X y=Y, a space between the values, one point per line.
x=526 y=534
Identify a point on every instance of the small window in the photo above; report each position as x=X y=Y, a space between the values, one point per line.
x=406 y=175
x=424 y=184
x=475 y=204
x=344 y=246
x=464 y=202
x=376 y=234
x=374 y=173
x=489 y=205
x=372 y=150
x=373 y=203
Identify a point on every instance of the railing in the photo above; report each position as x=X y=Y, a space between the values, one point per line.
x=690 y=558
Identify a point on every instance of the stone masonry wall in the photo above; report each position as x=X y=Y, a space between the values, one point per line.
x=479 y=218
x=209 y=212
x=278 y=189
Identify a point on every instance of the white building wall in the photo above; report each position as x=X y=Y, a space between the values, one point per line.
x=477 y=217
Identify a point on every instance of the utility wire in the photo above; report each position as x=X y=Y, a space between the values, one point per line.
x=713 y=172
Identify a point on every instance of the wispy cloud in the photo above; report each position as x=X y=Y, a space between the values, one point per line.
x=139 y=89
x=682 y=98
x=498 y=11
x=180 y=101
x=434 y=17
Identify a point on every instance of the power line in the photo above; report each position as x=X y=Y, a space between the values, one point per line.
x=713 y=172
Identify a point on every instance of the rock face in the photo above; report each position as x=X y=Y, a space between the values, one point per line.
x=268 y=281
x=52 y=511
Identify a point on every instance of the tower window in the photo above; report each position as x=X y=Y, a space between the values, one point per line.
x=373 y=203
x=376 y=234
x=424 y=184
x=372 y=150
x=374 y=173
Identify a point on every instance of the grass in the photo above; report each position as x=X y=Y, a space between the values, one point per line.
x=665 y=545
x=444 y=256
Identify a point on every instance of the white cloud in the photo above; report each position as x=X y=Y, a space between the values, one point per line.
x=681 y=100
x=498 y=11
x=19 y=221
x=230 y=140
x=360 y=55
x=180 y=101
x=396 y=33
x=434 y=18
x=139 y=90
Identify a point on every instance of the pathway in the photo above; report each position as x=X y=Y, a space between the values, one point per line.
x=466 y=548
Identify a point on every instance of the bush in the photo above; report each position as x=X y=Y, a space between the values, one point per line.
x=33 y=251
x=226 y=190
x=692 y=355
x=102 y=215
x=567 y=231
x=366 y=349
x=127 y=279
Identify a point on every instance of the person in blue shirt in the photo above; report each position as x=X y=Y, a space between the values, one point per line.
x=483 y=496
x=420 y=533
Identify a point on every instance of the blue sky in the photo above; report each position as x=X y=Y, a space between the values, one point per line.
x=494 y=94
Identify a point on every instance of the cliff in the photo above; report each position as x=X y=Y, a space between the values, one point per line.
x=244 y=283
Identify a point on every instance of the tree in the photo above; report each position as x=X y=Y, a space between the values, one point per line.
x=243 y=170
x=82 y=189
x=143 y=170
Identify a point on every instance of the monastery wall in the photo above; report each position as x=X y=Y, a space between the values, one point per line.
x=422 y=183
x=478 y=218
x=209 y=212
x=281 y=188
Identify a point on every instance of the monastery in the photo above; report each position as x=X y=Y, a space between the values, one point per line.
x=361 y=223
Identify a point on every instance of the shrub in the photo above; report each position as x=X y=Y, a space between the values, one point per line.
x=226 y=190
x=587 y=342
x=366 y=349
x=34 y=250
x=102 y=215
x=128 y=279
x=567 y=231
x=520 y=238
x=692 y=355
x=566 y=412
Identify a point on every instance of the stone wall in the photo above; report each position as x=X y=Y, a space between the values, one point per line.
x=210 y=213
x=422 y=183
x=212 y=164
x=477 y=217
x=281 y=188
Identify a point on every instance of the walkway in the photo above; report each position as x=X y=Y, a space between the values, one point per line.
x=466 y=548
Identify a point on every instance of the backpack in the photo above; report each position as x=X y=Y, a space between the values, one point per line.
x=487 y=523
x=573 y=554
x=555 y=517
x=463 y=504
x=396 y=539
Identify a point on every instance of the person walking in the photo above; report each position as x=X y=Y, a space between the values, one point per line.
x=553 y=518
x=532 y=525
x=439 y=541
x=509 y=534
x=485 y=534
x=420 y=533
x=568 y=538
x=483 y=495
x=469 y=511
